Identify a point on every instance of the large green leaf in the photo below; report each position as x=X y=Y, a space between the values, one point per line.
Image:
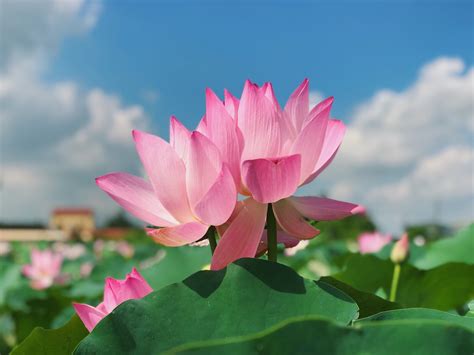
x=368 y=303
x=458 y=248
x=246 y=297
x=420 y=314
x=53 y=341
x=177 y=264
x=445 y=287
x=317 y=336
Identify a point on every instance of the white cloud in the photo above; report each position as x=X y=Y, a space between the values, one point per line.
x=56 y=137
x=440 y=186
x=37 y=28
x=106 y=135
x=408 y=155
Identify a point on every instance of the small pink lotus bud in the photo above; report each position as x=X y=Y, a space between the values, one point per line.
x=115 y=292
x=400 y=250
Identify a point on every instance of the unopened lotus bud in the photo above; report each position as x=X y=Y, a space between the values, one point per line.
x=400 y=250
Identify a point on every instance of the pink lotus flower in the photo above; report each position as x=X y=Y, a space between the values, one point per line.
x=125 y=249
x=115 y=292
x=190 y=187
x=271 y=152
x=70 y=251
x=372 y=242
x=86 y=269
x=44 y=270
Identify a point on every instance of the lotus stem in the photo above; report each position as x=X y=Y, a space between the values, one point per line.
x=395 y=279
x=271 y=234
x=211 y=236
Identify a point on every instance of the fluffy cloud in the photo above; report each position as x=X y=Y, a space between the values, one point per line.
x=37 y=28
x=55 y=136
x=408 y=155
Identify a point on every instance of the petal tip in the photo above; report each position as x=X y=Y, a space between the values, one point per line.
x=137 y=134
x=359 y=209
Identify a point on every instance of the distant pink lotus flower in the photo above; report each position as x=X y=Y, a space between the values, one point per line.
x=271 y=152
x=125 y=249
x=86 y=269
x=70 y=251
x=115 y=292
x=99 y=247
x=372 y=242
x=44 y=270
x=190 y=187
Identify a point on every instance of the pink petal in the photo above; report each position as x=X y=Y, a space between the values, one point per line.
x=36 y=257
x=56 y=263
x=231 y=104
x=28 y=271
x=267 y=89
x=223 y=227
x=218 y=203
x=222 y=130
x=322 y=106
x=202 y=126
x=89 y=315
x=270 y=180
x=242 y=237
x=297 y=107
x=204 y=167
x=118 y=291
x=282 y=238
x=160 y=159
x=323 y=209
x=333 y=139
x=179 y=137
x=258 y=120
x=143 y=287
x=292 y=221
x=179 y=235
x=309 y=142
x=41 y=283
x=137 y=197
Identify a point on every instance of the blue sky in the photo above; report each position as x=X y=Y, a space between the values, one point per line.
x=77 y=76
x=346 y=50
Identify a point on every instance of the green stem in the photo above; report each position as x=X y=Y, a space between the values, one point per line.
x=211 y=236
x=395 y=278
x=271 y=234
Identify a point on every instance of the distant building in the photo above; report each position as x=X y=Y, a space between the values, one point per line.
x=76 y=223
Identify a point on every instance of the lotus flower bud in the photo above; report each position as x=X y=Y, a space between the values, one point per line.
x=400 y=250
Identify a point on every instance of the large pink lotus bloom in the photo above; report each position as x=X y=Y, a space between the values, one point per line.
x=271 y=152
x=372 y=242
x=44 y=270
x=190 y=188
x=115 y=292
